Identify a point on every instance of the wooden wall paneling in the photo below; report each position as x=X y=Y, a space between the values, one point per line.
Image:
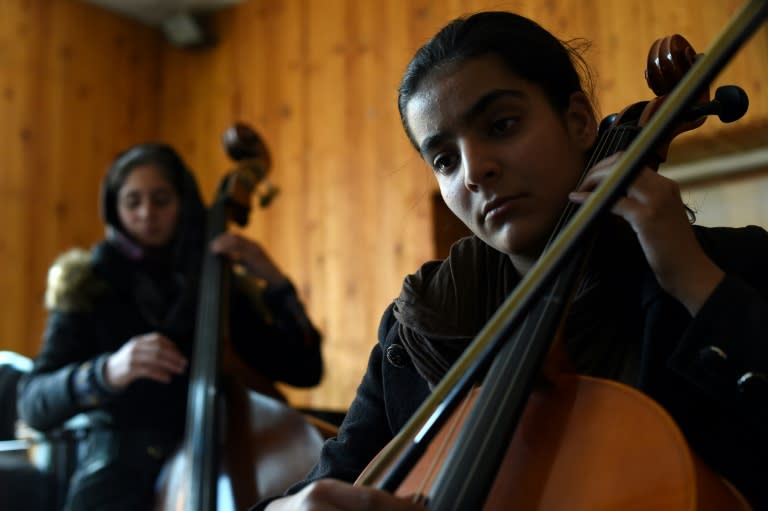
x=350 y=162
x=319 y=81
x=324 y=89
x=188 y=101
x=345 y=89
x=276 y=99
x=293 y=220
x=619 y=54
x=19 y=45
x=66 y=107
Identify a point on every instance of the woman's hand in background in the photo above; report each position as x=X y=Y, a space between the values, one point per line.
x=250 y=255
x=151 y=356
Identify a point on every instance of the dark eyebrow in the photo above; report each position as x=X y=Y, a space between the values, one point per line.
x=474 y=111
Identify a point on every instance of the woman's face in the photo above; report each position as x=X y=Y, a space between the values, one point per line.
x=503 y=158
x=148 y=206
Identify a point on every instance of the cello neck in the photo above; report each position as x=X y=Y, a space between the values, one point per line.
x=203 y=402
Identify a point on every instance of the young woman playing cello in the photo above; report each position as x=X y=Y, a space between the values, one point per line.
x=496 y=107
x=121 y=328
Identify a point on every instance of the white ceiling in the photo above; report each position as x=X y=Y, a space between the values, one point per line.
x=156 y=12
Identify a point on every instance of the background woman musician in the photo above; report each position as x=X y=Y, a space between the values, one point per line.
x=121 y=328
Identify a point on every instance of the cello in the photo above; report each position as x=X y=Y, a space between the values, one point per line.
x=242 y=442
x=519 y=348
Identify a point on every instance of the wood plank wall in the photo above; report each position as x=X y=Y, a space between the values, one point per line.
x=77 y=84
x=318 y=80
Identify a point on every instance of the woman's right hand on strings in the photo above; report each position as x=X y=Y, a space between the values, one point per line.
x=151 y=356
x=654 y=209
x=250 y=254
x=329 y=495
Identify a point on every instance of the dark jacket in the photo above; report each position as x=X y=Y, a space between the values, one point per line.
x=97 y=314
x=708 y=372
x=133 y=431
x=99 y=300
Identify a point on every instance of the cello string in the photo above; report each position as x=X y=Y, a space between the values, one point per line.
x=607 y=144
x=516 y=358
x=618 y=179
x=446 y=443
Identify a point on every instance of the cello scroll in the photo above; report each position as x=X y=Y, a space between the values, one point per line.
x=246 y=148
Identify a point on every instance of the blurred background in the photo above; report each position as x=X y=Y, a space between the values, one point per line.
x=358 y=210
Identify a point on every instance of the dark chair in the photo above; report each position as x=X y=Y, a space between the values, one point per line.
x=23 y=485
x=12 y=367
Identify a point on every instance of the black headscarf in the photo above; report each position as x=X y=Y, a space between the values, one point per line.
x=443 y=306
x=163 y=279
x=185 y=247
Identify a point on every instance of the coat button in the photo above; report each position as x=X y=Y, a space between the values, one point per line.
x=154 y=452
x=397 y=356
x=753 y=384
x=712 y=354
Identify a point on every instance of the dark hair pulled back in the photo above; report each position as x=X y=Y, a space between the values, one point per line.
x=528 y=50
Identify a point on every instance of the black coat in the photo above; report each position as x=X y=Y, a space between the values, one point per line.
x=281 y=350
x=134 y=430
x=98 y=301
x=722 y=410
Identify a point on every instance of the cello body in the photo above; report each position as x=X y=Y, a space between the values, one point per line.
x=586 y=444
x=242 y=442
x=265 y=446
